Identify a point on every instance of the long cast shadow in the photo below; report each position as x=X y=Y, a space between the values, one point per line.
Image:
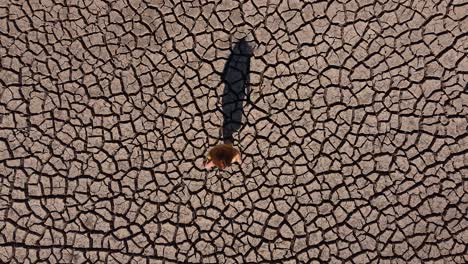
x=236 y=88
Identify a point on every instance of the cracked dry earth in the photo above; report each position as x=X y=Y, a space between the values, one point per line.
x=354 y=134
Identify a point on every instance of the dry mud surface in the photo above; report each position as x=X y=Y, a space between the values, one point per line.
x=354 y=133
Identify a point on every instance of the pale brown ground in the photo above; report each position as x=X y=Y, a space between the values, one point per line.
x=354 y=142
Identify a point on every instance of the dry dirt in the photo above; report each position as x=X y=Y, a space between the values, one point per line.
x=354 y=134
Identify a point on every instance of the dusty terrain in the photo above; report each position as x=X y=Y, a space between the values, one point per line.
x=354 y=133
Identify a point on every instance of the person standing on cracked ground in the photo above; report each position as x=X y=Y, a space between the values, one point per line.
x=236 y=85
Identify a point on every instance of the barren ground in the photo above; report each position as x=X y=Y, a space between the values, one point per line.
x=354 y=133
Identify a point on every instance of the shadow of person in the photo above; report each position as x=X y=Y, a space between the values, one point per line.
x=236 y=88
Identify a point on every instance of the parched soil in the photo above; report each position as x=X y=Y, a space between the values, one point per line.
x=353 y=131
